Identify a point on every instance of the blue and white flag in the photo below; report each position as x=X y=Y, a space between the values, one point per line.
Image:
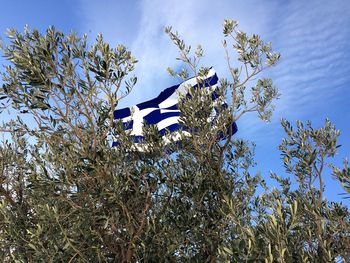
x=163 y=111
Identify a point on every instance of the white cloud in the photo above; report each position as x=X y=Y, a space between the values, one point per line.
x=313 y=73
x=311 y=36
x=198 y=22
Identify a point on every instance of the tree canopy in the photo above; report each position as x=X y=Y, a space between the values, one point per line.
x=67 y=196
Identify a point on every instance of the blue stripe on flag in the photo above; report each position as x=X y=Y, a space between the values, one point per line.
x=122 y=113
x=128 y=125
x=174 y=107
x=156 y=116
x=171 y=128
x=156 y=101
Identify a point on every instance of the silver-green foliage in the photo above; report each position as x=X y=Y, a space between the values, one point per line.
x=67 y=196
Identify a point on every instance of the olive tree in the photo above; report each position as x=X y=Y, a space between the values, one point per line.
x=66 y=195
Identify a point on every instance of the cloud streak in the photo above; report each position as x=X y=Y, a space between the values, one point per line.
x=312 y=36
x=198 y=22
x=313 y=40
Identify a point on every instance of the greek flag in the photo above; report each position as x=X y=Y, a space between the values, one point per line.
x=162 y=111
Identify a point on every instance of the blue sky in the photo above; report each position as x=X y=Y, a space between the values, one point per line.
x=313 y=37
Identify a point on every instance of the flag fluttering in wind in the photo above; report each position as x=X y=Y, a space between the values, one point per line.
x=163 y=111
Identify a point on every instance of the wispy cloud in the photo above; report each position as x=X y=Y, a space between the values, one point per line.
x=312 y=37
x=314 y=73
x=314 y=41
x=198 y=22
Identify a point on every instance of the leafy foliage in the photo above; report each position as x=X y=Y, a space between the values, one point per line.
x=67 y=196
